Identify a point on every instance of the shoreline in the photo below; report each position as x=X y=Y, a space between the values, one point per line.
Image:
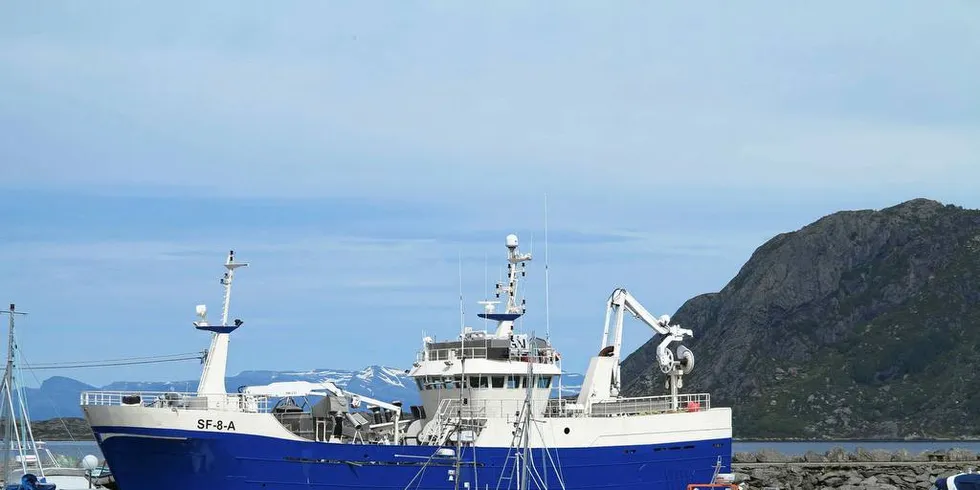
x=850 y=475
x=858 y=439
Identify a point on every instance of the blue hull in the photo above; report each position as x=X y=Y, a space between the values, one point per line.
x=205 y=460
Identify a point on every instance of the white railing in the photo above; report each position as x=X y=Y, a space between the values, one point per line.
x=644 y=405
x=480 y=349
x=225 y=402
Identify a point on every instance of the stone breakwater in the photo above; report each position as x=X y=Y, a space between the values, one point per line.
x=860 y=469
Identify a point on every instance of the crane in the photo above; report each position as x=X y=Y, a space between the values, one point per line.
x=621 y=301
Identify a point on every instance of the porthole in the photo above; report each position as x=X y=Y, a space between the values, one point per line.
x=567 y=430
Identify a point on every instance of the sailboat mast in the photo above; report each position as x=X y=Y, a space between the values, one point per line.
x=8 y=377
x=9 y=373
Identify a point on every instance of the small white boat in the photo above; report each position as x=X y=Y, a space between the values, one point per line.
x=101 y=477
x=27 y=469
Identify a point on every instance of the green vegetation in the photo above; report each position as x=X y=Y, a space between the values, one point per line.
x=861 y=325
x=68 y=429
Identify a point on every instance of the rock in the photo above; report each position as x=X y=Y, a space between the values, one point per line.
x=770 y=456
x=901 y=455
x=880 y=455
x=833 y=482
x=921 y=456
x=891 y=479
x=837 y=454
x=743 y=457
x=863 y=455
x=960 y=455
x=845 y=278
x=814 y=457
x=765 y=476
x=741 y=477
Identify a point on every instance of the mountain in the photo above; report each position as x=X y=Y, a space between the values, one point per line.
x=60 y=396
x=863 y=324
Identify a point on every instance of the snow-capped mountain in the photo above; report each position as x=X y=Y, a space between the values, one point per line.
x=59 y=396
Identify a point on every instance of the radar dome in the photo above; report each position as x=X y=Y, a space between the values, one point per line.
x=512 y=241
x=90 y=462
x=202 y=310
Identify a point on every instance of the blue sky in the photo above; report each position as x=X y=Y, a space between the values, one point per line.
x=353 y=152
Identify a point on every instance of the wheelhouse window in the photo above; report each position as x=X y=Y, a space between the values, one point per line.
x=544 y=381
x=497 y=381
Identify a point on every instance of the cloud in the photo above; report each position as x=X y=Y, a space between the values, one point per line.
x=355 y=102
x=353 y=153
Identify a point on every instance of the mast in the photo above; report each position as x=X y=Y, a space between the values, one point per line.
x=213 y=375
x=462 y=377
x=547 y=289
x=9 y=427
x=526 y=459
x=515 y=264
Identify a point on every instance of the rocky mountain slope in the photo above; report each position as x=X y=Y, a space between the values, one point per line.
x=863 y=324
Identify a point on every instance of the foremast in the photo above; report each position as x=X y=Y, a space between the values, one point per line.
x=516 y=263
x=216 y=362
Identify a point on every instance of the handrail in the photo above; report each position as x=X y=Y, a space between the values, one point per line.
x=643 y=405
x=480 y=349
x=228 y=402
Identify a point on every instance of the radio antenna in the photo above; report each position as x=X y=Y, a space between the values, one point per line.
x=547 y=309
x=462 y=317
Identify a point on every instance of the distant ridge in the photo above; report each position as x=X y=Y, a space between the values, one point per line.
x=863 y=324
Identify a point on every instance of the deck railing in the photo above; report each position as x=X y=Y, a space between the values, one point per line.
x=480 y=349
x=644 y=405
x=226 y=402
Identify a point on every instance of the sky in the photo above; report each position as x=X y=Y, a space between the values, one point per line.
x=359 y=155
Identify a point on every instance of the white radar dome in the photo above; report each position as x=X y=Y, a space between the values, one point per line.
x=90 y=462
x=512 y=241
x=202 y=310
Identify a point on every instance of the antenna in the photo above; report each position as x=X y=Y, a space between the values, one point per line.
x=547 y=309
x=231 y=265
x=462 y=317
x=486 y=286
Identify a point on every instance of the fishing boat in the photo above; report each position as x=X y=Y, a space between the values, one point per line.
x=29 y=471
x=960 y=481
x=487 y=418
